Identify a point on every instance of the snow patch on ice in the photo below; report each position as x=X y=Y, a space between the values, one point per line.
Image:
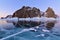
x=40 y=35
x=44 y=30
x=42 y=19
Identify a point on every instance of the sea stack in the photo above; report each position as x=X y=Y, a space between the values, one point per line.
x=50 y=13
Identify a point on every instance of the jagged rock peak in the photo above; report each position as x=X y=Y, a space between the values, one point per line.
x=50 y=13
x=49 y=9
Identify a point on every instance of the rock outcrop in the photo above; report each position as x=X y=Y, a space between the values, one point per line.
x=25 y=12
x=50 y=13
x=9 y=16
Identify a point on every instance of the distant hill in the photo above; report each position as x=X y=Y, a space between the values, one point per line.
x=8 y=16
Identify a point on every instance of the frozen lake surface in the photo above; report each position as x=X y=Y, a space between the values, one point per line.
x=45 y=31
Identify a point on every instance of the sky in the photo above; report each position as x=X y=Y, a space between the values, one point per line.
x=8 y=7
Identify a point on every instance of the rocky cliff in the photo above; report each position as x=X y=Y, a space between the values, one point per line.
x=25 y=12
x=50 y=13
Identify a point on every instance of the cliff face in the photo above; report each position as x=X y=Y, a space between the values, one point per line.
x=25 y=12
x=50 y=13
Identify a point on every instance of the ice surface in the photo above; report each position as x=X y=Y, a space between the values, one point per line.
x=34 y=33
x=42 y=19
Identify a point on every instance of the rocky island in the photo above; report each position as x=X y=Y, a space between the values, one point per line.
x=27 y=11
x=31 y=12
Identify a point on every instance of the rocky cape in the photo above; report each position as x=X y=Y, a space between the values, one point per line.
x=27 y=11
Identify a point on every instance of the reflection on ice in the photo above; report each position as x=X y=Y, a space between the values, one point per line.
x=50 y=25
x=4 y=25
x=28 y=24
